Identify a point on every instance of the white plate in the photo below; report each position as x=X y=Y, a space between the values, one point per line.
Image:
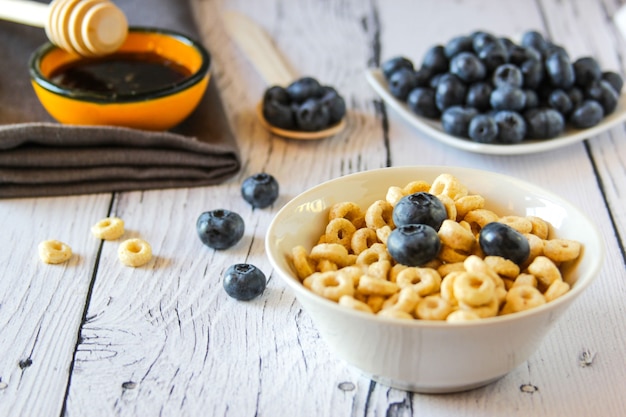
x=433 y=128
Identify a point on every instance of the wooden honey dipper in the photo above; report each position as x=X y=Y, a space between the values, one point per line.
x=83 y=27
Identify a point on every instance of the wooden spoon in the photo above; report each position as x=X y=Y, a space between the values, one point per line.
x=82 y=27
x=260 y=50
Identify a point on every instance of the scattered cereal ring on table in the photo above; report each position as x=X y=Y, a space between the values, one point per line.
x=134 y=252
x=109 y=228
x=54 y=251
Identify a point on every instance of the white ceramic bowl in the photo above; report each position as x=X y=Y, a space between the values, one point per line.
x=427 y=356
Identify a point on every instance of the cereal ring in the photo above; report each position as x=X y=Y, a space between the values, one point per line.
x=110 y=228
x=424 y=281
x=433 y=307
x=379 y=214
x=333 y=252
x=555 y=290
x=406 y=300
x=377 y=252
x=362 y=239
x=416 y=187
x=383 y=233
x=455 y=236
x=545 y=271
x=448 y=203
x=521 y=224
x=375 y=286
x=536 y=248
x=54 y=251
x=348 y=210
x=468 y=203
x=375 y=302
x=478 y=218
x=448 y=184
x=474 y=288
x=502 y=266
x=379 y=269
x=459 y=316
x=446 y=289
x=351 y=302
x=486 y=310
x=395 y=271
x=353 y=271
x=332 y=285
x=475 y=264
x=394 y=194
x=525 y=279
x=445 y=269
x=561 y=250
x=541 y=228
x=340 y=230
x=450 y=255
x=301 y=262
x=522 y=298
x=134 y=252
x=395 y=314
x=325 y=265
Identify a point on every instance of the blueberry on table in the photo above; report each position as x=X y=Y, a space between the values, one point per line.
x=312 y=115
x=335 y=103
x=483 y=129
x=392 y=65
x=260 y=190
x=419 y=208
x=304 y=88
x=276 y=93
x=279 y=114
x=499 y=239
x=511 y=127
x=220 y=229
x=455 y=120
x=422 y=102
x=588 y=114
x=544 y=123
x=244 y=282
x=413 y=244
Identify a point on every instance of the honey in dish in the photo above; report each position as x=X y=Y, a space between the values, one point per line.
x=120 y=74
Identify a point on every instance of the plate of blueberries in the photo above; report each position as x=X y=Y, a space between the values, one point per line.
x=488 y=94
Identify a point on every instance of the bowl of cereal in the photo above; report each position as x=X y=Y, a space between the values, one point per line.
x=457 y=319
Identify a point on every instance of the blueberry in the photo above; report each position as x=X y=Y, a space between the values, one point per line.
x=508 y=75
x=458 y=44
x=535 y=40
x=493 y=55
x=587 y=71
x=455 y=120
x=602 y=92
x=276 y=93
x=576 y=96
x=335 y=103
x=588 y=114
x=483 y=129
x=499 y=239
x=260 y=190
x=434 y=80
x=244 y=282
x=304 y=88
x=519 y=54
x=278 y=114
x=533 y=73
x=544 y=123
x=402 y=82
x=450 y=91
x=312 y=115
x=478 y=95
x=413 y=244
x=220 y=229
x=422 y=102
x=482 y=39
x=435 y=59
x=511 y=127
x=468 y=67
x=422 y=77
x=392 y=65
x=616 y=80
x=419 y=208
x=560 y=71
x=560 y=101
x=508 y=98
x=532 y=100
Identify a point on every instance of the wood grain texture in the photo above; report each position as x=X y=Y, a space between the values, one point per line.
x=165 y=339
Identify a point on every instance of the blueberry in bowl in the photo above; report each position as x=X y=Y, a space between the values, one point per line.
x=305 y=109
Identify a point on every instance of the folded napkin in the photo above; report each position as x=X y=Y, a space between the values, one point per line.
x=39 y=157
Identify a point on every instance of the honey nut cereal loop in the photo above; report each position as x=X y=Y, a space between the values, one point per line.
x=109 y=228
x=450 y=255
x=395 y=314
x=540 y=228
x=332 y=285
x=351 y=302
x=490 y=309
x=555 y=290
x=134 y=252
x=433 y=307
x=561 y=250
x=362 y=239
x=377 y=252
x=474 y=288
x=544 y=270
x=448 y=185
x=522 y=298
x=375 y=286
x=379 y=269
x=406 y=300
x=348 y=210
x=459 y=316
x=375 y=302
x=340 y=230
x=455 y=236
x=479 y=218
x=502 y=266
x=54 y=251
x=301 y=262
x=448 y=203
x=468 y=203
x=424 y=281
x=333 y=252
x=521 y=224
x=379 y=214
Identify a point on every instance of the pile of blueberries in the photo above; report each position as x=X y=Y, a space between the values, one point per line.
x=221 y=229
x=415 y=241
x=303 y=105
x=492 y=90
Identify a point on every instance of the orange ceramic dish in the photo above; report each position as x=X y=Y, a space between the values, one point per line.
x=158 y=109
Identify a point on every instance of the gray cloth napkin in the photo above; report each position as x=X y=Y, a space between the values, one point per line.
x=39 y=157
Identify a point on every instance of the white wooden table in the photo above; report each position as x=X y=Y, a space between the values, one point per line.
x=95 y=338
